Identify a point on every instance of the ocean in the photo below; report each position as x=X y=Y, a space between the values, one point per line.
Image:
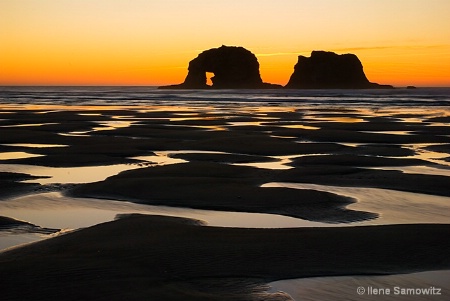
x=421 y=97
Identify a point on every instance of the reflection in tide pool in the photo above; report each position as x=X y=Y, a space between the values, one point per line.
x=89 y=174
x=401 y=133
x=301 y=126
x=67 y=175
x=112 y=125
x=82 y=174
x=17 y=155
x=423 y=170
x=394 y=207
x=280 y=163
x=160 y=158
x=420 y=152
x=245 y=123
x=27 y=125
x=342 y=119
x=54 y=210
x=35 y=145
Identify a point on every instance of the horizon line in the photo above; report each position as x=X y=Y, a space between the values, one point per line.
x=150 y=86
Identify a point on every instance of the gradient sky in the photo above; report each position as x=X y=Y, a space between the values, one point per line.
x=150 y=42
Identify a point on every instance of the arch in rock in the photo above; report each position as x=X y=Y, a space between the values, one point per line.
x=233 y=68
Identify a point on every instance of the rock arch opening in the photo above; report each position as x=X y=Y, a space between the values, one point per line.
x=209 y=76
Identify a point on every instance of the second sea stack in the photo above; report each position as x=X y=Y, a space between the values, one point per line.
x=328 y=70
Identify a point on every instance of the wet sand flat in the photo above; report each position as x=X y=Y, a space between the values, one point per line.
x=92 y=137
x=220 y=158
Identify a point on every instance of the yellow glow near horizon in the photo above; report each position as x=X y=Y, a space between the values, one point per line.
x=140 y=42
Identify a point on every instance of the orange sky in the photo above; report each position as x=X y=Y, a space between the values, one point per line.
x=143 y=42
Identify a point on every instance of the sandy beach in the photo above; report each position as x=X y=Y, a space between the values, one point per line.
x=222 y=158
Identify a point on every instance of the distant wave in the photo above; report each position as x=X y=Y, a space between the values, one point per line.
x=151 y=95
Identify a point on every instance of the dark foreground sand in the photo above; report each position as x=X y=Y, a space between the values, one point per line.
x=161 y=258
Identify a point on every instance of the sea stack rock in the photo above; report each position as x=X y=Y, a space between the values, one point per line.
x=328 y=70
x=233 y=68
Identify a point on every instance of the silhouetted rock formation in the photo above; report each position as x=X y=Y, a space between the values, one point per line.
x=328 y=70
x=233 y=68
